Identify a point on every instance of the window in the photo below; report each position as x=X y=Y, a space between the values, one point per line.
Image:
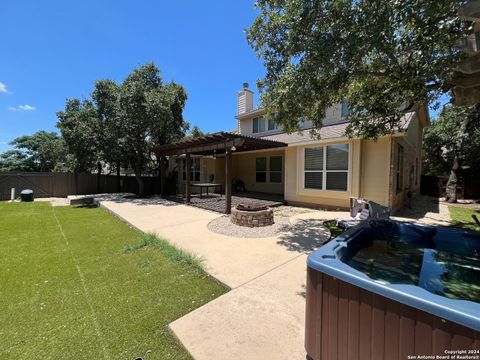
x=258 y=125
x=272 y=125
x=399 y=169
x=314 y=168
x=345 y=109
x=275 y=169
x=326 y=168
x=261 y=169
x=194 y=169
x=337 y=167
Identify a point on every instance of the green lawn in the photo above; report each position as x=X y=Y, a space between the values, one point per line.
x=462 y=217
x=77 y=283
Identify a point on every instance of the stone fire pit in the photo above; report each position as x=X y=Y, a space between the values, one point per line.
x=252 y=215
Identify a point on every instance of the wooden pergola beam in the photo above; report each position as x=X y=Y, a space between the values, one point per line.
x=187 y=177
x=228 y=180
x=216 y=142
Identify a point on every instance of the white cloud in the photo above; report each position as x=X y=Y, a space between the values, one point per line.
x=25 y=107
x=3 y=88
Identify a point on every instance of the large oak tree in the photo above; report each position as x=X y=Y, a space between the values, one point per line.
x=382 y=55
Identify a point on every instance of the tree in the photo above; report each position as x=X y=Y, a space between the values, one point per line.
x=13 y=160
x=195 y=132
x=445 y=145
x=111 y=145
x=81 y=130
x=42 y=151
x=150 y=114
x=383 y=56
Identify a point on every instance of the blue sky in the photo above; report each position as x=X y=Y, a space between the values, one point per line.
x=53 y=50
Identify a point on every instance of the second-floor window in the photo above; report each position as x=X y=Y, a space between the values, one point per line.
x=258 y=125
x=272 y=125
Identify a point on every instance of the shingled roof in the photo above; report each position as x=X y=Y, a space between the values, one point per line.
x=327 y=132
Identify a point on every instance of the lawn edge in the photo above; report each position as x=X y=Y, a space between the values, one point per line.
x=100 y=205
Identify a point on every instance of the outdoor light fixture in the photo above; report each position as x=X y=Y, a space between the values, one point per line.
x=233 y=148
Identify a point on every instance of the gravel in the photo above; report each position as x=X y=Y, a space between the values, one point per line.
x=222 y=225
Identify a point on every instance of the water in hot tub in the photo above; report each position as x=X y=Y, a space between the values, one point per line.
x=398 y=260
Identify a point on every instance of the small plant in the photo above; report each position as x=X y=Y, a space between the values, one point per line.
x=334 y=229
x=171 y=251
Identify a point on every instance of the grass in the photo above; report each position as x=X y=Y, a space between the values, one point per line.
x=462 y=217
x=77 y=283
x=334 y=229
x=174 y=253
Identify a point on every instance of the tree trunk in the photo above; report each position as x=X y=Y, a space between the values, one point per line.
x=451 y=189
x=99 y=173
x=118 y=177
x=138 y=177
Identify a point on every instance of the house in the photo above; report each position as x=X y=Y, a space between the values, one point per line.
x=324 y=171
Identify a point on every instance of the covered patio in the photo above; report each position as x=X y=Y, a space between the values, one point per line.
x=220 y=145
x=217 y=202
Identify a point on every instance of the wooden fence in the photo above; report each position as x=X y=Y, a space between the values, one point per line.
x=468 y=186
x=63 y=184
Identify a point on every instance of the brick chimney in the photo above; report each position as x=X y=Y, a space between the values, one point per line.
x=245 y=100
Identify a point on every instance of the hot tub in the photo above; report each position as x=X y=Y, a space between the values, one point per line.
x=387 y=290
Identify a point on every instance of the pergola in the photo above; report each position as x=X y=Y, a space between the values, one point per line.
x=222 y=143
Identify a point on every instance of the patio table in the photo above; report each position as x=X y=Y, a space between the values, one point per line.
x=206 y=186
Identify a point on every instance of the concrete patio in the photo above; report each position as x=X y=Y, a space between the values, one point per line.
x=263 y=315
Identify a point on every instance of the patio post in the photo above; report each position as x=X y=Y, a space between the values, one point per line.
x=228 y=181
x=162 y=175
x=187 y=177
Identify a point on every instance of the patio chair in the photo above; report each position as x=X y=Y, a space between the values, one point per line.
x=238 y=186
x=362 y=210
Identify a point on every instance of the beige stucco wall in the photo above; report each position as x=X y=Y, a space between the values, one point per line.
x=375 y=170
x=243 y=168
x=412 y=168
x=294 y=179
x=372 y=174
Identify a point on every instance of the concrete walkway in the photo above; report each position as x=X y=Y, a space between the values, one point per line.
x=262 y=317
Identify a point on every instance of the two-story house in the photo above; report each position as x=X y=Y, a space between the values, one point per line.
x=323 y=171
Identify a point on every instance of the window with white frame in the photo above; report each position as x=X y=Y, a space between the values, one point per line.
x=276 y=169
x=194 y=169
x=261 y=169
x=258 y=124
x=326 y=167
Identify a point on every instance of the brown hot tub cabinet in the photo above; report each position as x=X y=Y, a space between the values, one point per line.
x=345 y=322
x=355 y=311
